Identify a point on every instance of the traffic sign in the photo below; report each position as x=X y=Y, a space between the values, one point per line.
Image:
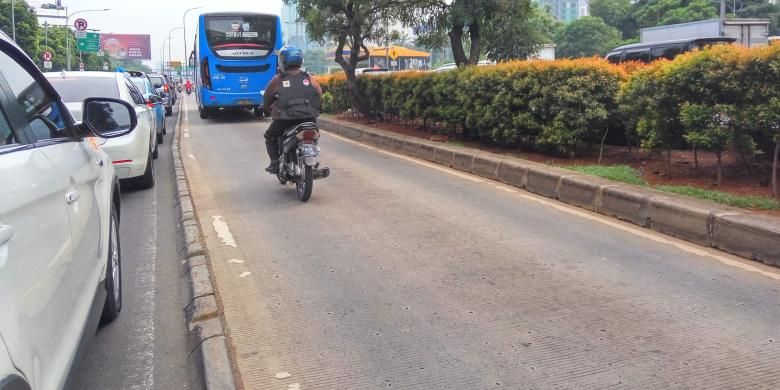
x=174 y=64
x=47 y=56
x=47 y=64
x=80 y=24
x=80 y=34
x=81 y=66
x=105 y=66
x=90 y=43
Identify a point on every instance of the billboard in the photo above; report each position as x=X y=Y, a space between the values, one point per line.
x=127 y=46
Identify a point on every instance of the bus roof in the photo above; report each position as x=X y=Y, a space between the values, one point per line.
x=226 y=13
x=672 y=42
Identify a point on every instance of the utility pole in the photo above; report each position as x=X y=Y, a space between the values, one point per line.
x=722 y=16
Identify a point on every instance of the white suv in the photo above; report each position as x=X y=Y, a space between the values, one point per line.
x=59 y=212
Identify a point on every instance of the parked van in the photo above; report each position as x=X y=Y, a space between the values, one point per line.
x=648 y=52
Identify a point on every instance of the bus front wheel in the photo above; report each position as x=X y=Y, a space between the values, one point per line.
x=204 y=113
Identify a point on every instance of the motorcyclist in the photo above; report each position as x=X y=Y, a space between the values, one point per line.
x=293 y=97
x=188 y=86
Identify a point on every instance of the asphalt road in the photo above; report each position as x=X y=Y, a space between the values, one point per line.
x=402 y=274
x=145 y=347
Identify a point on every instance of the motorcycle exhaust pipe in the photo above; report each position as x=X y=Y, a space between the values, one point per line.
x=321 y=173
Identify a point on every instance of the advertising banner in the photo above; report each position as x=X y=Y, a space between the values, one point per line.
x=127 y=46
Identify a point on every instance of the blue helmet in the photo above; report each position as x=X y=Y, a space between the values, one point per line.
x=290 y=56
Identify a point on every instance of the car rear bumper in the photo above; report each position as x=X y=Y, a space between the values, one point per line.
x=128 y=154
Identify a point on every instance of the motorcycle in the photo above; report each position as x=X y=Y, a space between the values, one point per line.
x=189 y=90
x=299 y=162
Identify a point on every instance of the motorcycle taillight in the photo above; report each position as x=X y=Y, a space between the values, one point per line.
x=308 y=135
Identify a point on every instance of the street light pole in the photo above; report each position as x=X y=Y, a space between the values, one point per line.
x=13 y=18
x=162 y=55
x=67 y=27
x=184 y=25
x=170 y=41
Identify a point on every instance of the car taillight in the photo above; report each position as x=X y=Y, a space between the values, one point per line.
x=308 y=135
x=205 y=75
x=150 y=103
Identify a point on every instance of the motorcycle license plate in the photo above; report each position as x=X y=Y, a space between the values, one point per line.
x=307 y=150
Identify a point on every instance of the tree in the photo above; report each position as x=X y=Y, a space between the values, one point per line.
x=464 y=23
x=57 y=45
x=314 y=61
x=519 y=33
x=349 y=23
x=587 y=37
x=708 y=127
x=651 y=13
x=27 y=29
x=616 y=13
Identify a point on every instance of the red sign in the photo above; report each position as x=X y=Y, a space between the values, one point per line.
x=80 y=24
x=127 y=46
x=47 y=56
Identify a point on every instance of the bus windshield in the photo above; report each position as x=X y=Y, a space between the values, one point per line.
x=241 y=36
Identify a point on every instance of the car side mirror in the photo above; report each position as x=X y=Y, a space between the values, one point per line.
x=109 y=118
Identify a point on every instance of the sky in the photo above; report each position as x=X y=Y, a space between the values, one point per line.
x=158 y=17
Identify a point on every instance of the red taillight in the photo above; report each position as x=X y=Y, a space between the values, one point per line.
x=205 y=75
x=121 y=161
x=165 y=87
x=308 y=135
x=150 y=103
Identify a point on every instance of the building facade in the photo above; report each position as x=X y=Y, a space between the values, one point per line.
x=294 y=30
x=566 y=10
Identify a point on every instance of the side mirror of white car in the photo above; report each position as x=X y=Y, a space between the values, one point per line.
x=109 y=118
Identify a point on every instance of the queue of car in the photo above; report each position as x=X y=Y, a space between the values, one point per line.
x=67 y=140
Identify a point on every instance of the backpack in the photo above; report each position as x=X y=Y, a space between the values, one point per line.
x=298 y=99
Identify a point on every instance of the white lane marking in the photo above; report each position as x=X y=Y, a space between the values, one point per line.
x=191 y=156
x=244 y=274
x=186 y=136
x=140 y=375
x=223 y=231
x=283 y=375
x=648 y=234
x=236 y=261
x=185 y=129
x=411 y=159
x=294 y=386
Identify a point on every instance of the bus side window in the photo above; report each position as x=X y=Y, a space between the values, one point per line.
x=642 y=56
x=614 y=58
x=668 y=52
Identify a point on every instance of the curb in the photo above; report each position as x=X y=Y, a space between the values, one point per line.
x=736 y=231
x=207 y=341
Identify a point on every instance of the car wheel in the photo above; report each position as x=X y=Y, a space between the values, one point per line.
x=156 y=151
x=160 y=138
x=113 y=304
x=165 y=129
x=148 y=179
x=168 y=111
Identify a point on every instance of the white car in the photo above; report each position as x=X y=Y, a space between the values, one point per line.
x=132 y=155
x=60 y=264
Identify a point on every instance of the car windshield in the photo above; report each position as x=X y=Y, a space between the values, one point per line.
x=76 y=89
x=157 y=80
x=256 y=32
x=141 y=84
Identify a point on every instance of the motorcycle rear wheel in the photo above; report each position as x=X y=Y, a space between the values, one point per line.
x=305 y=184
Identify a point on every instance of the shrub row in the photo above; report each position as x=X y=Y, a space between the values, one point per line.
x=710 y=100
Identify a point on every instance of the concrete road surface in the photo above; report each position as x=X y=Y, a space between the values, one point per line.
x=145 y=347
x=400 y=274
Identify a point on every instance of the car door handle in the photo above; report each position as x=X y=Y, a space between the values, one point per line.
x=6 y=232
x=72 y=197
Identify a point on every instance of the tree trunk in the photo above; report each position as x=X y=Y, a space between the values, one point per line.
x=669 y=163
x=601 y=149
x=354 y=96
x=696 y=157
x=719 y=167
x=456 y=40
x=745 y=161
x=774 y=167
x=475 y=43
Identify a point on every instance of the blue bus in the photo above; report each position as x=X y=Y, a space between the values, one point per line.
x=235 y=57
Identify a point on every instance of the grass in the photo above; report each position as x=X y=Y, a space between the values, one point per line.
x=621 y=173
x=630 y=175
x=741 y=201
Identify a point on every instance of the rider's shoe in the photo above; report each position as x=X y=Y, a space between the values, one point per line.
x=273 y=167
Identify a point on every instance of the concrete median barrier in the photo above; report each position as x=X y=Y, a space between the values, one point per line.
x=751 y=236
x=735 y=231
x=626 y=203
x=463 y=160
